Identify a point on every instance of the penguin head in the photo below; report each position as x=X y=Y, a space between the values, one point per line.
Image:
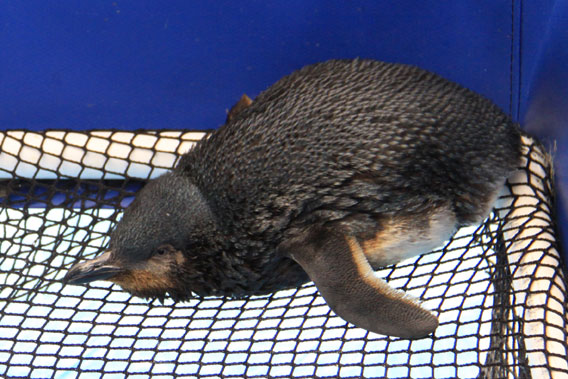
x=154 y=250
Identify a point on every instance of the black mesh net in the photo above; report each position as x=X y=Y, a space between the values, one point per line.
x=499 y=289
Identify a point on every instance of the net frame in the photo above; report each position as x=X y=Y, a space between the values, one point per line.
x=499 y=288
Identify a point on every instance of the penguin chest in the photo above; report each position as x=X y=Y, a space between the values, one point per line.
x=405 y=237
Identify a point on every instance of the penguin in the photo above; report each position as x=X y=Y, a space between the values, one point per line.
x=336 y=170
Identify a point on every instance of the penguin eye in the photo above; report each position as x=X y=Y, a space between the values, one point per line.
x=163 y=250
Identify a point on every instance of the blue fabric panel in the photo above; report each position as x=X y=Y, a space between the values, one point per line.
x=545 y=114
x=181 y=64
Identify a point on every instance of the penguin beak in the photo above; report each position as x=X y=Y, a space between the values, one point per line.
x=99 y=268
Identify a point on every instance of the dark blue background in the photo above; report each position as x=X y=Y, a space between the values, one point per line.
x=79 y=64
x=180 y=64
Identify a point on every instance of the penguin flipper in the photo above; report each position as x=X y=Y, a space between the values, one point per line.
x=338 y=267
